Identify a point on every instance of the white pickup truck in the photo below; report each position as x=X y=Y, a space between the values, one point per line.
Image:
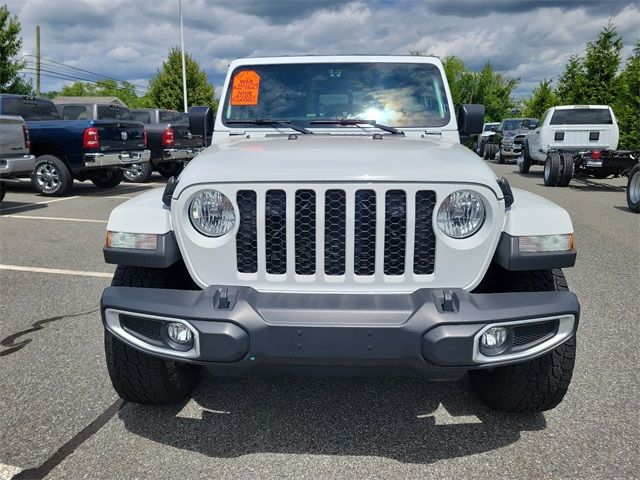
x=576 y=140
x=336 y=225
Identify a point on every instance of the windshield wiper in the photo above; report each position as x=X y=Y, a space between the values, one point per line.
x=357 y=121
x=272 y=121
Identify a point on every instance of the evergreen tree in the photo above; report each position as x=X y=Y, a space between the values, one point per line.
x=542 y=98
x=627 y=104
x=570 y=90
x=165 y=88
x=10 y=44
x=601 y=62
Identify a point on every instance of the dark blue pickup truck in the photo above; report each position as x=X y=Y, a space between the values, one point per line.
x=95 y=150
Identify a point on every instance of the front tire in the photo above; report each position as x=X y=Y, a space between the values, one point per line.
x=106 y=178
x=138 y=173
x=3 y=190
x=525 y=164
x=501 y=157
x=633 y=189
x=51 y=177
x=552 y=169
x=136 y=376
x=539 y=384
x=168 y=170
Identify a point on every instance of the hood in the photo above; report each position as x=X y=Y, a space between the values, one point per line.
x=512 y=133
x=332 y=158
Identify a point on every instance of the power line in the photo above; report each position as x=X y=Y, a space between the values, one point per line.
x=99 y=75
x=62 y=76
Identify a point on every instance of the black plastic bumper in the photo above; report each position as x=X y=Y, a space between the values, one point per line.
x=429 y=332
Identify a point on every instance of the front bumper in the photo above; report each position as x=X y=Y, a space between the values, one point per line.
x=431 y=332
x=180 y=154
x=18 y=165
x=116 y=159
x=512 y=150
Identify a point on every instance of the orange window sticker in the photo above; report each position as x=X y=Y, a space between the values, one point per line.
x=246 y=86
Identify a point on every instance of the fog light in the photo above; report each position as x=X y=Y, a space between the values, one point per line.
x=179 y=333
x=495 y=337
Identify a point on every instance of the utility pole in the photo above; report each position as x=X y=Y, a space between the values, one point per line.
x=37 y=59
x=184 y=68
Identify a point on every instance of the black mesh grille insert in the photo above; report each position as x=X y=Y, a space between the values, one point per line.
x=334 y=232
x=144 y=327
x=365 y=233
x=425 y=239
x=533 y=332
x=275 y=223
x=395 y=230
x=247 y=238
x=305 y=232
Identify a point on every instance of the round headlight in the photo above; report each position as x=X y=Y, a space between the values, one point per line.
x=461 y=214
x=211 y=213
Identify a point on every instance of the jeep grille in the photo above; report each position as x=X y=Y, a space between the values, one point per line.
x=324 y=237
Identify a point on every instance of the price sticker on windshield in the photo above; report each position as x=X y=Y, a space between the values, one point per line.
x=246 y=86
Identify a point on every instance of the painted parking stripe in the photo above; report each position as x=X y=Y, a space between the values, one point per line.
x=56 y=271
x=8 y=471
x=39 y=203
x=33 y=217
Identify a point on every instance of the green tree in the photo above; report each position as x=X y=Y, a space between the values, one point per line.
x=542 y=98
x=570 y=89
x=125 y=91
x=165 y=88
x=10 y=44
x=627 y=104
x=601 y=63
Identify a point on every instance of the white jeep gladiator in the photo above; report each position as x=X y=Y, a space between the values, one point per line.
x=336 y=225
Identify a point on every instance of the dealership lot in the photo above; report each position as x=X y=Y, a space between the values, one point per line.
x=59 y=417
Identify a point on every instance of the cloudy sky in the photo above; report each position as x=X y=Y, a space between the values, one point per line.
x=128 y=40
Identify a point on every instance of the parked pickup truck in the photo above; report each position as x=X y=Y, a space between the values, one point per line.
x=576 y=140
x=507 y=141
x=170 y=141
x=96 y=150
x=488 y=130
x=15 y=158
x=323 y=232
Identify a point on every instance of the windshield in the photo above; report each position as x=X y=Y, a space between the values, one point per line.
x=112 y=112
x=397 y=94
x=511 y=125
x=582 y=116
x=141 y=116
x=489 y=126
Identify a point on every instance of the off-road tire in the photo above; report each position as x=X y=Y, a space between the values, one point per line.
x=49 y=188
x=566 y=170
x=552 y=168
x=106 y=178
x=633 y=189
x=168 y=170
x=3 y=190
x=539 y=384
x=136 y=376
x=142 y=173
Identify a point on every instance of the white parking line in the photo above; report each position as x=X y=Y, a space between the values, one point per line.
x=33 y=217
x=39 y=203
x=123 y=197
x=8 y=471
x=57 y=271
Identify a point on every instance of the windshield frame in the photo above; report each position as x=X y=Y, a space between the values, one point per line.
x=238 y=65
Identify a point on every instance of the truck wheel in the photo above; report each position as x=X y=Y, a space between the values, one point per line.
x=501 y=158
x=525 y=164
x=539 y=384
x=51 y=177
x=136 y=376
x=106 y=178
x=566 y=172
x=494 y=149
x=633 y=189
x=552 y=169
x=168 y=170
x=485 y=151
x=3 y=190
x=139 y=173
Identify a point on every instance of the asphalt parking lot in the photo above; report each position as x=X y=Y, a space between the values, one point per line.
x=60 y=418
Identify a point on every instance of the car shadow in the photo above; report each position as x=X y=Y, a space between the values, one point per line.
x=9 y=208
x=406 y=419
x=588 y=185
x=623 y=208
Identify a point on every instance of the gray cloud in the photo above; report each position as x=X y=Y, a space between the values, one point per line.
x=129 y=40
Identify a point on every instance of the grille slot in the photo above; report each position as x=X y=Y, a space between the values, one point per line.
x=424 y=252
x=149 y=330
x=531 y=333
x=335 y=235
x=365 y=233
x=247 y=238
x=275 y=224
x=395 y=230
x=305 y=232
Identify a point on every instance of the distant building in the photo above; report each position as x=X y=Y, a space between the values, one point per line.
x=89 y=100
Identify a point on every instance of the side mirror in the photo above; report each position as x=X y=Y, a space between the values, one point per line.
x=201 y=122
x=470 y=119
